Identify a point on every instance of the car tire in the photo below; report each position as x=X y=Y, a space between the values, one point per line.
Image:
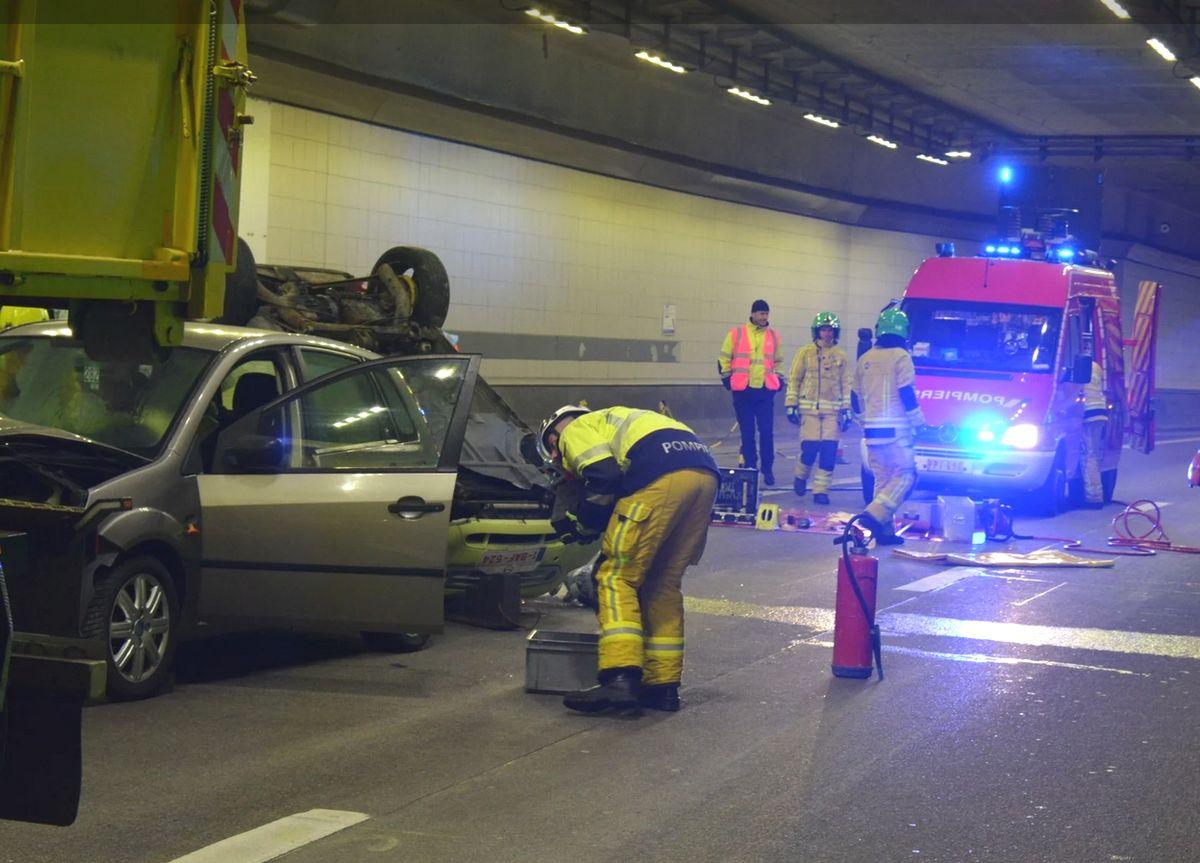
x=1053 y=496
x=136 y=615
x=241 y=289
x=433 y=283
x=396 y=642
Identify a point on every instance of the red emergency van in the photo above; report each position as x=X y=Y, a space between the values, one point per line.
x=1002 y=348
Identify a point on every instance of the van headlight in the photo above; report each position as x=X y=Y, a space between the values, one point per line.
x=1022 y=436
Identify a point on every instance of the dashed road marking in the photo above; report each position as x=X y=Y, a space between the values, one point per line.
x=273 y=840
x=1039 y=595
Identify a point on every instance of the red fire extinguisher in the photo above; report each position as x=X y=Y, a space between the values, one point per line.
x=855 y=634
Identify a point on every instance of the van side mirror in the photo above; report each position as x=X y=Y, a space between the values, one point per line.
x=256 y=453
x=1080 y=371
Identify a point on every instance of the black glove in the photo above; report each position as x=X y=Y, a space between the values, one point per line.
x=793 y=414
x=563 y=526
x=725 y=382
x=845 y=420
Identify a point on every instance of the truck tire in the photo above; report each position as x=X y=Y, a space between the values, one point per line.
x=433 y=284
x=1053 y=496
x=241 y=289
x=136 y=614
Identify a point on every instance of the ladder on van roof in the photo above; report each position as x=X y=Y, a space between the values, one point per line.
x=1140 y=401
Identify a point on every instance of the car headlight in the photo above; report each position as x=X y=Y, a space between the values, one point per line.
x=1022 y=436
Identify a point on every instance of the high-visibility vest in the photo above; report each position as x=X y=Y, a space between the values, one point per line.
x=609 y=433
x=1095 y=402
x=743 y=359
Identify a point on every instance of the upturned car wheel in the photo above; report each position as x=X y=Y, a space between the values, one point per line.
x=433 y=284
x=136 y=615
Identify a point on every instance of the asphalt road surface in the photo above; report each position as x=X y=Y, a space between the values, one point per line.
x=1026 y=715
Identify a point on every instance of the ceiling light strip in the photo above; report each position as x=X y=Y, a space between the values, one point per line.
x=1162 y=50
x=925 y=157
x=748 y=96
x=561 y=23
x=1116 y=8
x=882 y=142
x=823 y=121
x=660 y=62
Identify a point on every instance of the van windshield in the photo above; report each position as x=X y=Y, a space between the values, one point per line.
x=952 y=334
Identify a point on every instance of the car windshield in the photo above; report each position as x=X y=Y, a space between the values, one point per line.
x=50 y=381
x=952 y=334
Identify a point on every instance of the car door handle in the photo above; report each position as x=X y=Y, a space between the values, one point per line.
x=412 y=506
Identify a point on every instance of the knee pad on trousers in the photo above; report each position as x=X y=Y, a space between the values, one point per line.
x=809 y=449
x=828 y=455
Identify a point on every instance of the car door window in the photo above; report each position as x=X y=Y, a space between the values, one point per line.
x=386 y=415
x=252 y=383
x=318 y=363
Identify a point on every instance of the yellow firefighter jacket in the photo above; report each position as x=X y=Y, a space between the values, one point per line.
x=884 y=400
x=820 y=380
x=1095 y=402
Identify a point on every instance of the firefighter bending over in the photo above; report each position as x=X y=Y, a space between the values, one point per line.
x=1095 y=423
x=649 y=485
x=885 y=403
x=818 y=400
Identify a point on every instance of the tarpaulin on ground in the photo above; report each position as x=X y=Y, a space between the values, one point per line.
x=1045 y=558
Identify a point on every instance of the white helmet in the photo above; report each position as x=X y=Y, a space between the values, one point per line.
x=543 y=445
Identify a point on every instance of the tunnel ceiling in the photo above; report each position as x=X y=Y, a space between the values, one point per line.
x=1054 y=81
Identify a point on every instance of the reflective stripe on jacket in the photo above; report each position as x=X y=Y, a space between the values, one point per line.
x=881 y=375
x=1095 y=402
x=749 y=357
x=820 y=380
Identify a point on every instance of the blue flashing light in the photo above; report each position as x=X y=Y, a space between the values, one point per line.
x=990 y=249
x=986 y=435
x=1066 y=253
x=1002 y=250
x=1005 y=174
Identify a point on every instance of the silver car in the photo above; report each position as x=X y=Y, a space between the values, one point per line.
x=249 y=478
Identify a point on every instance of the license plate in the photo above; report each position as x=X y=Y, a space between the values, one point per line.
x=941 y=465
x=511 y=561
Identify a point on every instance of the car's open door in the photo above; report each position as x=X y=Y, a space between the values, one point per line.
x=329 y=507
x=1142 y=355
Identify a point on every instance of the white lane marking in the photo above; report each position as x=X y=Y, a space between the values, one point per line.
x=1170 y=441
x=1039 y=595
x=275 y=839
x=992 y=660
x=938 y=580
x=1075 y=638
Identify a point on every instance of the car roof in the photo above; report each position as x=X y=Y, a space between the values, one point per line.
x=215 y=337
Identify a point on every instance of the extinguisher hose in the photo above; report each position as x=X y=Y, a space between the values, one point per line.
x=868 y=614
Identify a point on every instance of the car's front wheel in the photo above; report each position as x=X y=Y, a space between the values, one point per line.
x=136 y=614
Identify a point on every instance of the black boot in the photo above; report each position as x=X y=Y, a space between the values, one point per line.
x=882 y=534
x=768 y=479
x=664 y=697
x=820 y=497
x=800 y=486
x=618 y=689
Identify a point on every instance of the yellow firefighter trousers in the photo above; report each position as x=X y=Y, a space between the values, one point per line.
x=895 y=475
x=819 y=435
x=1093 y=447
x=653 y=536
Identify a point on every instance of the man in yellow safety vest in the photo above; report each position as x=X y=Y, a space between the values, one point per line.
x=649 y=485
x=749 y=357
x=1095 y=423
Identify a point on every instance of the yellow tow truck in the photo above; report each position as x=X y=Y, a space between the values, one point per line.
x=120 y=156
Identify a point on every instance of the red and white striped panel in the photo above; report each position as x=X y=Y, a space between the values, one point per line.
x=226 y=145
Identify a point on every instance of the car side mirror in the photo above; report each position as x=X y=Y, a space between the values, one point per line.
x=256 y=453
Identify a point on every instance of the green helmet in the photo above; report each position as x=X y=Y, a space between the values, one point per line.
x=892 y=322
x=826 y=319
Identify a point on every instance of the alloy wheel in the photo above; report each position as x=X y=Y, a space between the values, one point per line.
x=139 y=627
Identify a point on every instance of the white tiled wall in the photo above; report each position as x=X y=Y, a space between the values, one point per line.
x=536 y=248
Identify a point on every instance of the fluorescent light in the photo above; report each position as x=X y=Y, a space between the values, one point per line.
x=882 y=142
x=824 y=121
x=1196 y=81
x=925 y=157
x=1116 y=8
x=748 y=96
x=561 y=23
x=958 y=154
x=659 y=61
x=1163 y=50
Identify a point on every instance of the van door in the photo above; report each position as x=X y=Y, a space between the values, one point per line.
x=329 y=507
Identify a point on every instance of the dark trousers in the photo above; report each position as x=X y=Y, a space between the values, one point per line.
x=756 y=407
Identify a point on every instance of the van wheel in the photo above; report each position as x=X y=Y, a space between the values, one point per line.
x=1052 y=497
x=136 y=615
x=1108 y=481
x=396 y=642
